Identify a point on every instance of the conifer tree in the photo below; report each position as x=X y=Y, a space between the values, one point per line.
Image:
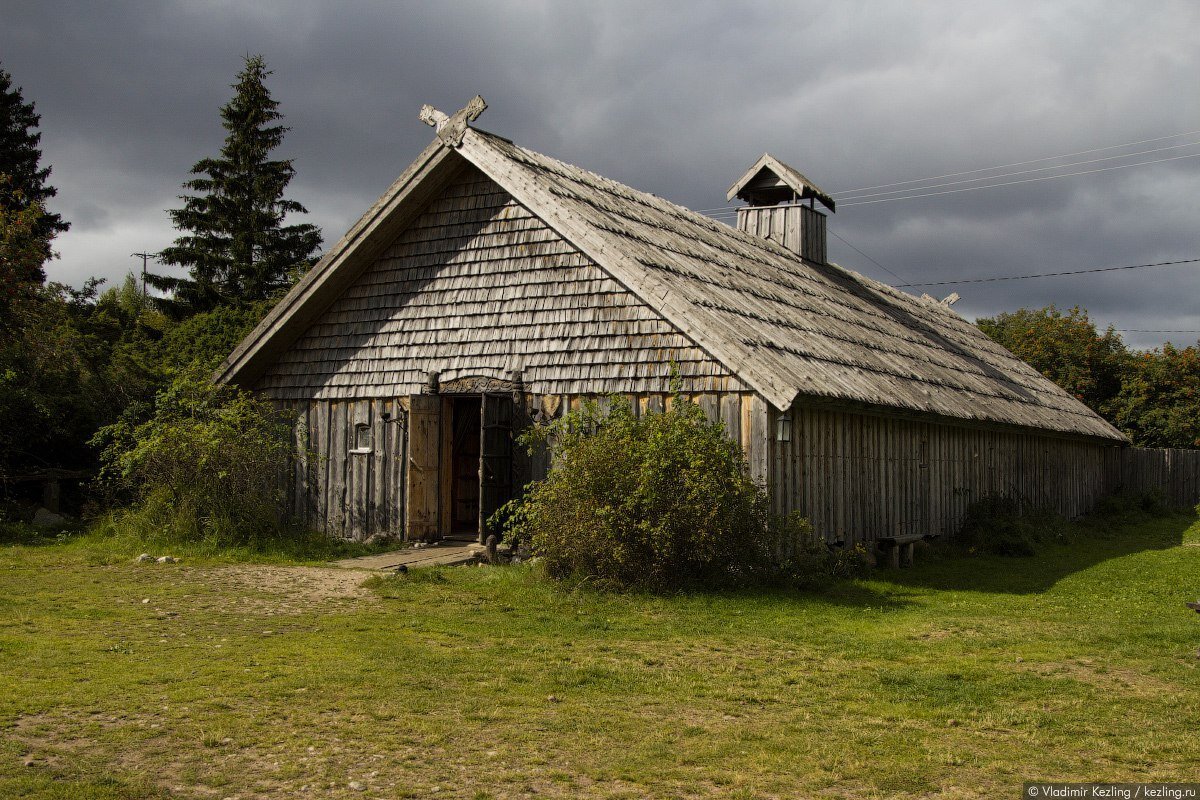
x=23 y=189
x=235 y=246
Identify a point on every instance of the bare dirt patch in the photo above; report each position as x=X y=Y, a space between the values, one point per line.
x=254 y=588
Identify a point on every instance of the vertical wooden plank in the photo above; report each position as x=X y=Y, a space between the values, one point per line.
x=321 y=444
x=423 y=460
x=335 y=513
x=759 y=445
x=795 y=454
x=398 y=467
x=445 y=474
x=380 y=463
x=731 y=415
x=778 y=467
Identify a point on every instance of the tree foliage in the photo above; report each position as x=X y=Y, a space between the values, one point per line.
x=1067 y=349
x=24 y=183
x=208 y=463
x=235 y=247
x=55 y=387
x=24 y=248
x=1159 y=402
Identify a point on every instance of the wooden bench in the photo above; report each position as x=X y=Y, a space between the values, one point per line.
x=900 y=548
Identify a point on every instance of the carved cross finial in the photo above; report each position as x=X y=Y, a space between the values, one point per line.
x=452 y=129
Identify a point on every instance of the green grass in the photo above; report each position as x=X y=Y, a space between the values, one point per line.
x=961 y=677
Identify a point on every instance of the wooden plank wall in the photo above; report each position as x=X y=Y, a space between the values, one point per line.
x=796 y=227
x=856 y=477
x=344 y=493
x=859 y=477
x=355 y=495
x=1173 y=471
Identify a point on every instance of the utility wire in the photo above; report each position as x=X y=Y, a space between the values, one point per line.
x=1019 y=172
x=867 y=257
x=1145 y=330
x=1023 y=180
x=1019 y=163
x=1050 y=274
x=716 y=211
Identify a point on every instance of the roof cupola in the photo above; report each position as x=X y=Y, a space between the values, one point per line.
x=775 y=194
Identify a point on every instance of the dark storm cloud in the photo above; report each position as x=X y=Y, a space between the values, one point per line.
x=674 y=98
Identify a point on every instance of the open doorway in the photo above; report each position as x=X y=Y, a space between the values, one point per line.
x=460 y=464
x=464 y=466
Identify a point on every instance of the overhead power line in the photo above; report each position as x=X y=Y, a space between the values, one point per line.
x=1023 y=180
x=867 y=257
x=849 y=200
x=722 y=211
x=1019 y=163
x=1049 y=274
x=1146 y=330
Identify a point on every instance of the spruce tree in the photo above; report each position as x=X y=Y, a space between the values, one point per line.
x=22 y=177
x=236 y=248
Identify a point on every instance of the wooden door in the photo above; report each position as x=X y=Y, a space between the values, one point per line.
x=423 y=467
x=495 y=456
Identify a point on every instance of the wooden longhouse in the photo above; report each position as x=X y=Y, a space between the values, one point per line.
x=491 y=285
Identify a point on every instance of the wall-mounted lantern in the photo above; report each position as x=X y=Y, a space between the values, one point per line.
x=783 y=428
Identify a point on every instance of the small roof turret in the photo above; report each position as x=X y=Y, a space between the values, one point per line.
x=770 y=181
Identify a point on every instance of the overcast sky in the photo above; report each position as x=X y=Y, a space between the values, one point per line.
x=676 y=99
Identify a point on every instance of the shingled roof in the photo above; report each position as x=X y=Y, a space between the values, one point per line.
x=788 y=328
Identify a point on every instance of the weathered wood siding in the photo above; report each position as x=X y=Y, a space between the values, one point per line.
x=478 y=286
x=357 y=494
x=1174 y=472
x=858 y=477
x=796 y=227
x=340 y=491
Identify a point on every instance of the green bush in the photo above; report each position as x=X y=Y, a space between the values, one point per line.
x=660 y=502
x=207 y=465
x=1005 y=526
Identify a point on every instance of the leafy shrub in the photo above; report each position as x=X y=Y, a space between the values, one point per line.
x=1004 y=526
x=1132 y=504
x=208 y=464
x=803 y=560
x=660 y=502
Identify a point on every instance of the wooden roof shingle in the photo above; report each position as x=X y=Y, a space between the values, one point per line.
x=788 y=328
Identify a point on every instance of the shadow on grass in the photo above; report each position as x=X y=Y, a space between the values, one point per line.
x=25 y=535
x=945 y=567
x=111 y=540
x=832 y=592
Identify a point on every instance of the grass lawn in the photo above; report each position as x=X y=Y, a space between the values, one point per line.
x=958 y=678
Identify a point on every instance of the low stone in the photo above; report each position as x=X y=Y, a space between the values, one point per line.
x=144 y=557
x=30 y=762
x=45 y=518
x=165 y=560
x=357 y=786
